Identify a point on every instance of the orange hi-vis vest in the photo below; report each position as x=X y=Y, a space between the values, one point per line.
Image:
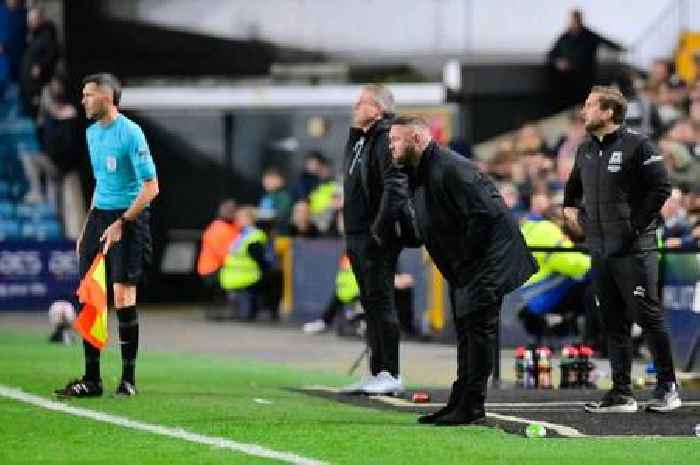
x=216 y=241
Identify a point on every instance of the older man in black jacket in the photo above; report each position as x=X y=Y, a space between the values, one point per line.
x=476 y=245
x=367 y=163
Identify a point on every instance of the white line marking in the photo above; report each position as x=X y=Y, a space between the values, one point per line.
x=178 y=433
x=562 y=430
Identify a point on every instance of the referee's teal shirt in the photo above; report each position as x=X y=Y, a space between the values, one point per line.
x=121 y=162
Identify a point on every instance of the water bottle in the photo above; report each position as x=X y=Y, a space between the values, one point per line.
x=585 y=367
x=530 y=375
x=520 y=366
x=544 y=368
x=567 y=365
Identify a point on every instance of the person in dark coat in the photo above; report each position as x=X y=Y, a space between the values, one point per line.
x=572 y=61
x=367 y=160
x=616 y=190
x=477 y=246
x=39 y=60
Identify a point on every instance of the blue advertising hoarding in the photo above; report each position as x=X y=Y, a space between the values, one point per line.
x=681 y=299
x=33 y=274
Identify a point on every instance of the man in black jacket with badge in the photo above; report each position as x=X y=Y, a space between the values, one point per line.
x=367 y=163
x=477 y=246
x=616 y=190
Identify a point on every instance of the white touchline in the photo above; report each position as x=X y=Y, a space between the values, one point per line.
x=562 y=430
x=178 y=433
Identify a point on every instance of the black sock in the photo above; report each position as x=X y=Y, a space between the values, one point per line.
x=129 y=337
x=92 y=361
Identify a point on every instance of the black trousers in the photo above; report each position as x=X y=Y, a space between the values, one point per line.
x=374 y=269
x=627 y=288
x=477 y=331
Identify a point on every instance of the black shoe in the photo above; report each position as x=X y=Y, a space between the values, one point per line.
x=469 y=410
x=126 y=389
x=613 y=402
x=80 y=388
x=665 y=398
x=431 y=418
x=452 y=401
x=459 y=417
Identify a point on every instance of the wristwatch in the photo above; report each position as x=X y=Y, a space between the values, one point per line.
x=124 y=219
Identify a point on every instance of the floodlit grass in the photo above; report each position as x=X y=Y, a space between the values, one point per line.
x=216 y=396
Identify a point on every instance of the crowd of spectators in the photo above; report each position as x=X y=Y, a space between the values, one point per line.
x=41 y=140
x=660 y=105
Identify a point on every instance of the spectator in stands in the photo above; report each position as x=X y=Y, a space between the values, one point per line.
x=321 y=197
x=39 y=60
x=309 y=177
x=668 y=105
x=530 y=140
x=511 y=197
x=575 y=133
x=336 y=228
x=301 y=225
x=58 y=120
x=557 y=295
x=216 y=241
x=347 y=293
x=37 y=165
x=642 y=112
x=276 y=203
x=573 y=63
x=662 y=72
x=246 y=267
x=13 y=33
x=683 y=168
x=676 y=227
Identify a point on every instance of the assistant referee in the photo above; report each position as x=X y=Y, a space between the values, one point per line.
x=616 y=188
x=117 y=224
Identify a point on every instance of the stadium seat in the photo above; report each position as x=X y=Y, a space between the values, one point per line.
x=5 y=190
x=9 y=229
x=41 y=230
x=7 y=210
x=29 y=211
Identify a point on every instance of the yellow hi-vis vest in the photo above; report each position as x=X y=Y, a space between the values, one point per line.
x=240 y=270
x=346 y=288
x=544 y=233
x=321 y=198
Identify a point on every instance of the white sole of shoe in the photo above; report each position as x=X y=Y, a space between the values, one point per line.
x=631 y=408
x=383 y=393
x=676 y=403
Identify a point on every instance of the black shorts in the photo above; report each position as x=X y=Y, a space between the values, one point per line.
x=127 y=258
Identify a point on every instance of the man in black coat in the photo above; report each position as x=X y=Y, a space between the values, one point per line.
x=39 y=60
x=367 y=161
x=616 y=189
x=477 y=246
x=573 y=61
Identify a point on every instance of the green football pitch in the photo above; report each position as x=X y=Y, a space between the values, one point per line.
x=243 y=412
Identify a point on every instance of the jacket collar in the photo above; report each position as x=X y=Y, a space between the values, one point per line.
x=430 y=153
x=384 y=123
x=609 y=138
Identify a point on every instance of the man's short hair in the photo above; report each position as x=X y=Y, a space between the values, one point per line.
x=106 y=80
x=383 y=97
x=410 y=120
x=612 y=99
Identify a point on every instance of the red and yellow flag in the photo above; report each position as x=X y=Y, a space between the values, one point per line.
x=92 y=293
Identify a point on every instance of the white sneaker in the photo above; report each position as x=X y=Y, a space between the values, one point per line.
x=314 y=327
x=385 y=384
x=358 y=387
